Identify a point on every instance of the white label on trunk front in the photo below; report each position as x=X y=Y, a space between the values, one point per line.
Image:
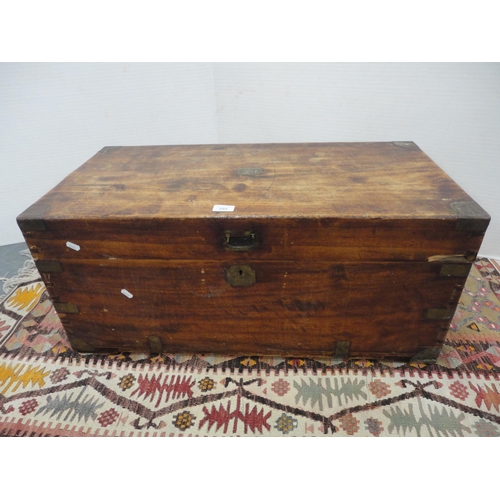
x=73 y=246
x=127 y=293
x=223 y=208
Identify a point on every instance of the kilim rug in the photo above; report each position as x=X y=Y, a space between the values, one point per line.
x=46 y=389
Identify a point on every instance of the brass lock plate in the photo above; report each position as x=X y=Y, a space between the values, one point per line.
x=240 y=276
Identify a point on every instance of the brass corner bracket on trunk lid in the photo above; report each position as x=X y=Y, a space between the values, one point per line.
x=31 y=225
x=471 y=216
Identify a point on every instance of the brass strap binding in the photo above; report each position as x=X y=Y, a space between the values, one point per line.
x=342 y=349
x=471 y=217
x=439 y=313
x=27 y=226
x=66 y=308
x=457 y=270
x=155 y=345
x=48 y=266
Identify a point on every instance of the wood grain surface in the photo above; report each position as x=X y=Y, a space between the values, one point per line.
x=338 y=240
x=321 y=180
x=292 y=308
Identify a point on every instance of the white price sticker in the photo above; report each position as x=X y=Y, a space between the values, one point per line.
x=223 y=208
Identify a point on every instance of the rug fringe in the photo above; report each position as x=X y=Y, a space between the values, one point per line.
x=412 y=373
x=26 y=274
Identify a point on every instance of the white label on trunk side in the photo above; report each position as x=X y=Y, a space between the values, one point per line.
x=73 y=246
x=223 y=208
x=127 y=293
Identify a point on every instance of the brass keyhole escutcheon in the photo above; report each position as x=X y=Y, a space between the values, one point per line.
x=240 y=276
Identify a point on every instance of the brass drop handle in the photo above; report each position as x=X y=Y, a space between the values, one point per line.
x=240 y=242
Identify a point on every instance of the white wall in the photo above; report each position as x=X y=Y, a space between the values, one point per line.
x=55 y=116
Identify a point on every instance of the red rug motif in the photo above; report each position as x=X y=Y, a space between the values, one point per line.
x=46 y=389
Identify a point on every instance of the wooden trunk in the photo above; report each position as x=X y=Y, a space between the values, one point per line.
x=329 y=249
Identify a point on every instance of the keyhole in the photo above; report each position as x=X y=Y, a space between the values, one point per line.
x=240 y=272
